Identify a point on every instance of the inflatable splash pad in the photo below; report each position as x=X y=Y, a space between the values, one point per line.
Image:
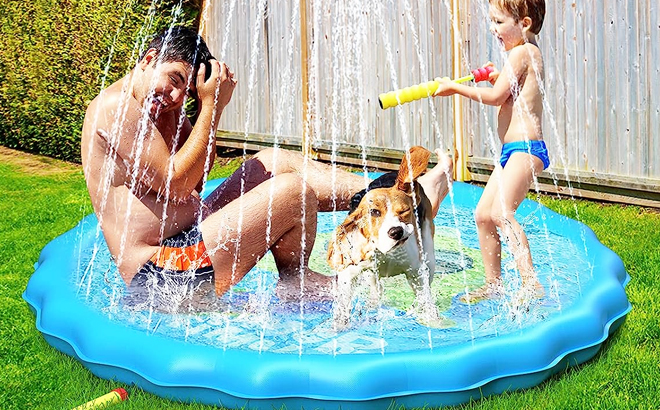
x=252 y=350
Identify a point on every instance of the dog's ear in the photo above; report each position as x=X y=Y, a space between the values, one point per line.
x=347 y=241
x=413 y=164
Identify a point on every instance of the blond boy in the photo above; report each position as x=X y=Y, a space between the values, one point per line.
x=516 y=91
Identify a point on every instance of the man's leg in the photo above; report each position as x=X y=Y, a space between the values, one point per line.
x=436 y=182
x=331 y=191
x=333 y=187
x=239 y=235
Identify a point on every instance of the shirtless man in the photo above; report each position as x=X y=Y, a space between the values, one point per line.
x=144 y=164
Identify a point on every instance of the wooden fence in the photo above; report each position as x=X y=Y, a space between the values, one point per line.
x=310 y=73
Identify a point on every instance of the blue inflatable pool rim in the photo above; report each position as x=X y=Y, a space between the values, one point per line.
x=445 y=375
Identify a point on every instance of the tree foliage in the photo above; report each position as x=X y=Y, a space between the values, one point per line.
x=56 y=55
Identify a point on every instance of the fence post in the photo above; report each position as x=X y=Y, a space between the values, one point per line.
x=306 y=143
x=461 y=172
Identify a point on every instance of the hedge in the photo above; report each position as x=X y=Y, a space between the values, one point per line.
x=56 y=55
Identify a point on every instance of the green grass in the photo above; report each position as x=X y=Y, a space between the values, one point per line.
x=42 y=198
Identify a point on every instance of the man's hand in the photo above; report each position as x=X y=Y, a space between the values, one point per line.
x=446 y=87
x=221 y=83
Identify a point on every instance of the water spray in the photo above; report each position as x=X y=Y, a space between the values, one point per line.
x=424 y=90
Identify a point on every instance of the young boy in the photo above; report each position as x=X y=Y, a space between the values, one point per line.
x=515 y=24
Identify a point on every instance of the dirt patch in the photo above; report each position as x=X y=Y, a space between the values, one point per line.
x=36 y=164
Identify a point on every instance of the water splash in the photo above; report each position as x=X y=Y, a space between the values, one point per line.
x=108 y=166
x=340 y=119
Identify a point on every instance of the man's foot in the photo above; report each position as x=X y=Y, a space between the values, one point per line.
x=436 y=182
x=315 y=287
x=486 y=292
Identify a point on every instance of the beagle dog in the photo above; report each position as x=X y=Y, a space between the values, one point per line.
x=388 y=231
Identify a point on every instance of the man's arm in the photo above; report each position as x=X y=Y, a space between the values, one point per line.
x=143 y=149
x=208 y=162
x=186 y=129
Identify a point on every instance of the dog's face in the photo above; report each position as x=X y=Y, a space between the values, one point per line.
x=385 y=217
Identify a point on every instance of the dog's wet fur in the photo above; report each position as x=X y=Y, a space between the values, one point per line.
x=388 y=231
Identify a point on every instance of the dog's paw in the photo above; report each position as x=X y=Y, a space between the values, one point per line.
x=341 y=322
x=427 y=314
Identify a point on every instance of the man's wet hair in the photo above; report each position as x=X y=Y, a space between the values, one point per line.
x=181 y=44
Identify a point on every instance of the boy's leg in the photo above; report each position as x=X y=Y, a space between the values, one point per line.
x=240 y=233
x=517 y=177
x=489 y=242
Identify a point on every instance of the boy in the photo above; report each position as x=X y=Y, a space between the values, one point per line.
x=516 y=90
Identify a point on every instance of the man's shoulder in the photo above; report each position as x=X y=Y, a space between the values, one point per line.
x=111 y=97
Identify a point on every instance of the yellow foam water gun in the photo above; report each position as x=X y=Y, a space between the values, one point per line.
x=114 y=397
x=424 y=90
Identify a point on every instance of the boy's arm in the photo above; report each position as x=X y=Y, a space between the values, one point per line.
x=507 y=80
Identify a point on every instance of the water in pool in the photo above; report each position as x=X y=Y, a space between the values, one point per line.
x=251 y=316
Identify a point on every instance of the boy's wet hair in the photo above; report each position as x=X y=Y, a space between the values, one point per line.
x=519 y=9
x=181 y=44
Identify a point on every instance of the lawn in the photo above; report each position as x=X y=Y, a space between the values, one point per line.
x=42 y=198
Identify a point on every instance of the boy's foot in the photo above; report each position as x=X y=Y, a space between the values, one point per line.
x=533 y=290
x=486 y=292
x=527 y=295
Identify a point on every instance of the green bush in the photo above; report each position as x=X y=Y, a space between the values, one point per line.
x=56 y=55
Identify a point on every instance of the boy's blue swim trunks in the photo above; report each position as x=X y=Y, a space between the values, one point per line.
x=534 y=147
